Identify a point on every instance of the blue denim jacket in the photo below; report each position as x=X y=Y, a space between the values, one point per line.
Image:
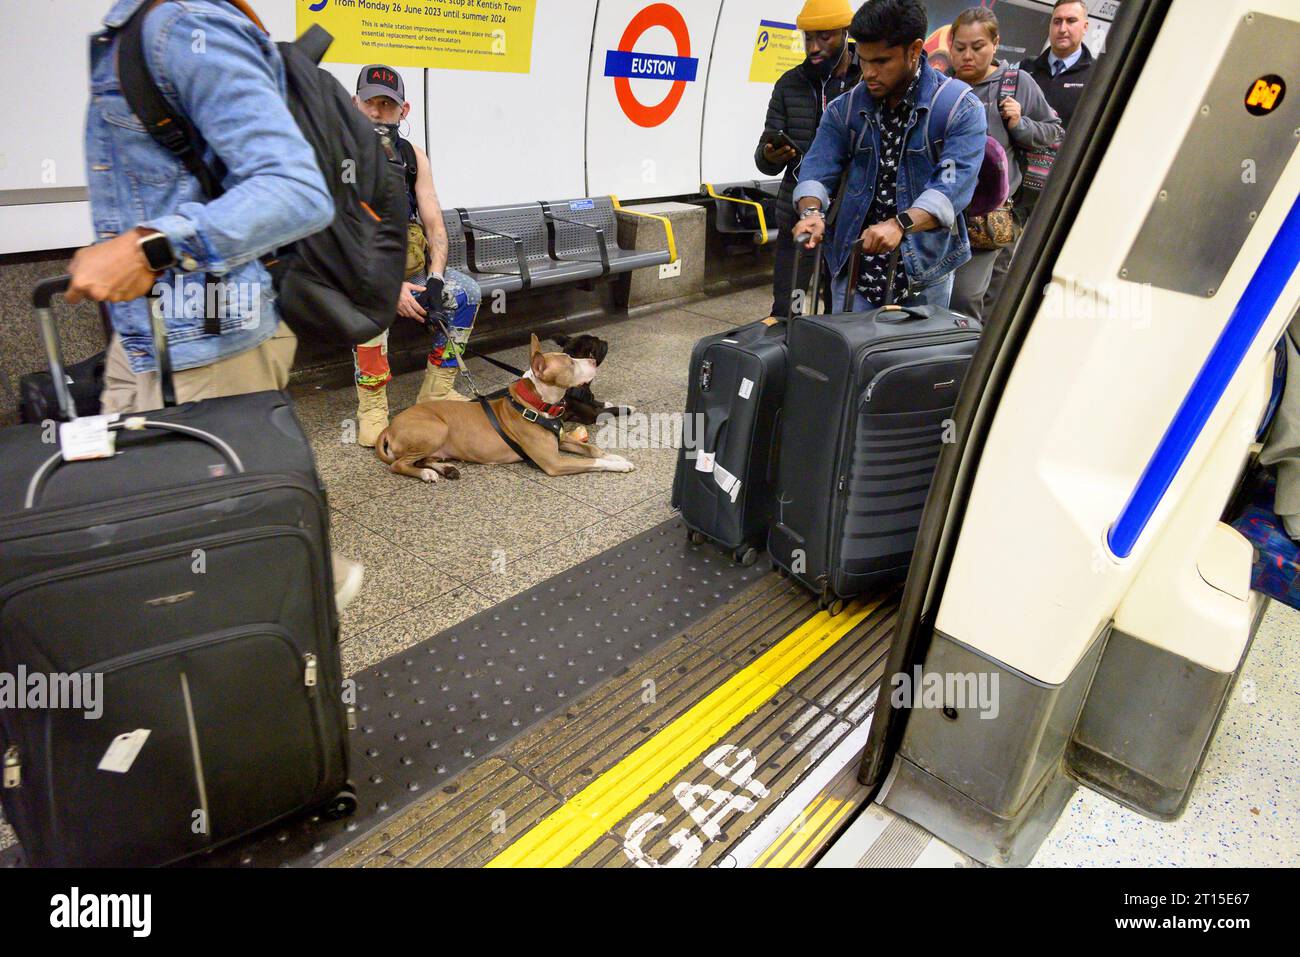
x=218 y=69
x=944 y=190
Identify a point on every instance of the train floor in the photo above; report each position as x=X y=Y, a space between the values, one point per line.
x=548 y=673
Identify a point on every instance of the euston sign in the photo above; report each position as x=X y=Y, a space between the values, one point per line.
x=625 y=65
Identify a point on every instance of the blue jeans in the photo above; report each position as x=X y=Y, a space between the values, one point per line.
x=936 y=294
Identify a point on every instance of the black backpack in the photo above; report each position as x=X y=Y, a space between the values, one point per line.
x=342 y=283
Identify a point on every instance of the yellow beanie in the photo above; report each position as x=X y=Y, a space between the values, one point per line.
x=818 y=15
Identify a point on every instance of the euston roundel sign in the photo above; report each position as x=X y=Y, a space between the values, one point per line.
x=626 y=65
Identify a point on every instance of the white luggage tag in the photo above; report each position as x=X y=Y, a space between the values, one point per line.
x=746 y=388
x=87 y=438
x=704 y=461
x=121 y=754
x=727 y=482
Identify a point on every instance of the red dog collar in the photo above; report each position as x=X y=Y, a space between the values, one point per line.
x=526 y=394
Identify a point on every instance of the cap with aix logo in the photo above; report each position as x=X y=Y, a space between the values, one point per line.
x=380 y=80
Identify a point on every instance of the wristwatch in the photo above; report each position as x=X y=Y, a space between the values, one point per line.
x=157 y=251
x=905 y=223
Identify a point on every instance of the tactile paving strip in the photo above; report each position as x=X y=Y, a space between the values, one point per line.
x=476 y=817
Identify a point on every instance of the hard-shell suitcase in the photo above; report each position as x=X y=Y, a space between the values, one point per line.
x=868 y=400
x=733 y=407
x=175 y=602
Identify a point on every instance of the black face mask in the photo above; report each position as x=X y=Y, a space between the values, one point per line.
x=392 y=129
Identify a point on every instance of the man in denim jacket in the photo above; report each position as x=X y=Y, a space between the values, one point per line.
x=219 y=69
x=897 y=193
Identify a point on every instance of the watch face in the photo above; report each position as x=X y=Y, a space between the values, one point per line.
x=158 y=252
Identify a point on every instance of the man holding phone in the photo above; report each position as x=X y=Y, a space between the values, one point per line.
x=799 y=99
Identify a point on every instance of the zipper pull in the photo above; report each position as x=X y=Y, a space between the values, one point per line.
x=309 y=673
x=13 y=768
x=352 y=717
x=842 y=480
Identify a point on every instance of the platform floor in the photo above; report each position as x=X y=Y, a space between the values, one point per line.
x=437 y=555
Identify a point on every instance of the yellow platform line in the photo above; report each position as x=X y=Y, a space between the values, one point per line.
x=798 y=842
x=560 y=838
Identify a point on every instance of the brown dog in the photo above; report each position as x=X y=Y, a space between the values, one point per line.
x=433 y=432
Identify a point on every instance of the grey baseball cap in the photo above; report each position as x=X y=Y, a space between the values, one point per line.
x=380 y=80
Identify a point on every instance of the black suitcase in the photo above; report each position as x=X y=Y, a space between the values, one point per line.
x=38 y=401
x=190 y=573
x=868 y=400
x=733 y=407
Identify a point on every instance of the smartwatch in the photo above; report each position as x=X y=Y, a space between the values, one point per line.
x=905 y=223
x=157 y=251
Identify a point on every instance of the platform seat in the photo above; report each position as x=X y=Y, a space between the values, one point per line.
x=586 y=229
x=745 y=209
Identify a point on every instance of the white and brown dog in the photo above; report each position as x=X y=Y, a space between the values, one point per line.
x=418 y=440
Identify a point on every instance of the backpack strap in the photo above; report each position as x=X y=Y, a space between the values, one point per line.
x=855 y=138
x=944 y=104
x=169 y=129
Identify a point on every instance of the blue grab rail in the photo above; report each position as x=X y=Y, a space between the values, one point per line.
x=1261 y=295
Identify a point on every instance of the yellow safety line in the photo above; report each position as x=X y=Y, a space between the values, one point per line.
x=560 y=838
x=668 y=226
x=762 y=217
x=786 y=851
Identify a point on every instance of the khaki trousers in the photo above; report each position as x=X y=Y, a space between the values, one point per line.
x=263 y=369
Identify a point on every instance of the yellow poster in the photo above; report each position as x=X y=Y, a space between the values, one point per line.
x=493 y=36
x=778 y=47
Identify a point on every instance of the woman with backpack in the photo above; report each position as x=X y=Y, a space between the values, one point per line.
x=1019 y=119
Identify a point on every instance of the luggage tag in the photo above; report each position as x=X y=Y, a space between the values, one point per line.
x=704 y=461
x=121 y=754
x=746 y=388
x=729 y=483
x=88 y=438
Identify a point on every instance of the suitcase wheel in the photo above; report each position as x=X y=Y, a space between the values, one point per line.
x=745 y=555
x=696 y=538
x=343 y=804
x=830 y=604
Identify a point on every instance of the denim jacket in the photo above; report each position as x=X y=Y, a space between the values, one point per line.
x=217 y=68
x=944 y=190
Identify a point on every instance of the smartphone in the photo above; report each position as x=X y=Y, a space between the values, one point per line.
x=779 y=138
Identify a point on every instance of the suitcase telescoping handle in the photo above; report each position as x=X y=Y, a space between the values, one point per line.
x=855 y=272
x=42 y=300
x=815 y=292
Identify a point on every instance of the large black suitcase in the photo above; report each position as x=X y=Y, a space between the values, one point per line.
x=188 y=579
x=733 y=408
x=868 y=400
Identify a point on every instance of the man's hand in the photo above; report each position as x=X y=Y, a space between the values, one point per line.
x=1010 y=110
x=882 y=238
x=406 y=304
x=784 y=155
x=814 y=227
x=112 y=271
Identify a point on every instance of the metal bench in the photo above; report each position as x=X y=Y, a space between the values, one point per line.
x=745 y=209
x=544 y=244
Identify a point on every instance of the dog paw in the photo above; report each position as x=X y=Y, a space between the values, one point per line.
x=616 y=463
x=428 y=475
x=450 y=472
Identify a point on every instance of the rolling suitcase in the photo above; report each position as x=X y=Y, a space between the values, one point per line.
x=175 y=602
x=868 y=400
x=727 y=461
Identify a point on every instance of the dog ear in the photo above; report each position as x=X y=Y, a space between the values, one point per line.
x=601 y=350
x=537 y=359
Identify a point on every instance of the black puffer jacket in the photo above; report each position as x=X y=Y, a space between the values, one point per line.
x=796 y=107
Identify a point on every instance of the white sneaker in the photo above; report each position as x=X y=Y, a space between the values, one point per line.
x=347 y=581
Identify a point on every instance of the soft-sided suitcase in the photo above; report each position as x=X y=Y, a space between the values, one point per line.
x=868 y=399
x=38 y=401
x=733 y=407
x=175 y=602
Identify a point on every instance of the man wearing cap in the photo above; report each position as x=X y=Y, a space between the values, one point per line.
x=445 y=299
x=798 y=101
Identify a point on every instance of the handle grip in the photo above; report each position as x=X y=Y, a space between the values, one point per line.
x=42 y=298
x=45 y=291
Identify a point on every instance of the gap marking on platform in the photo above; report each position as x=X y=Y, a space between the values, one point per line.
x=562 y=837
